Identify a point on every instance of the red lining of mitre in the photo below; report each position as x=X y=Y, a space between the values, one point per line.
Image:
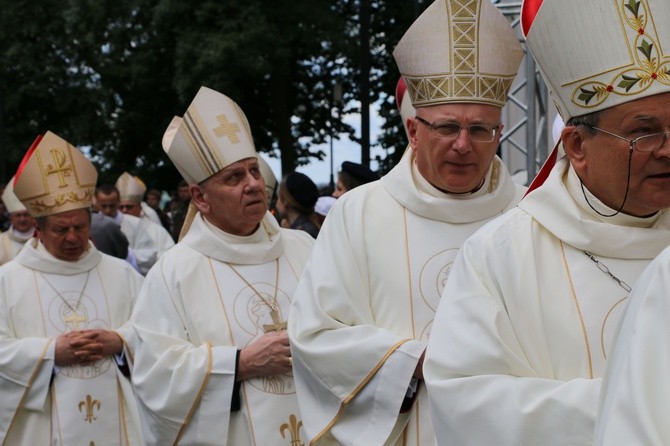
x=26 y=157
x=400 y=89
x=528 y=12
x=543 y=174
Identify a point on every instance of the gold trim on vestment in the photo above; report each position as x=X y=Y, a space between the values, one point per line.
x=355 y=392
x=196 y=402
x=122 y=410
x=409 y=271
x=29 y=384
x=579 y=310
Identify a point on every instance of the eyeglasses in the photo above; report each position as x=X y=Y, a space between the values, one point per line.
x=644 y=143
x=451 y=130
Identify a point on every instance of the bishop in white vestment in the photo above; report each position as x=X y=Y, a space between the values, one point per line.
x=528 y=317
x=63 y=313
x=43 y=404
x=524 y=331
x=194 y=314
x=364 y=307
x=212 y=362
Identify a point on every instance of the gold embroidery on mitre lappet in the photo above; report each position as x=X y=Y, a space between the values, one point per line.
x=649 y=64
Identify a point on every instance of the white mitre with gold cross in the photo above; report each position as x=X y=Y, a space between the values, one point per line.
x=595 y=54
x=54 y=177
x=11 y=201
x=130 y=188
x=459 y=51
x=213 y=134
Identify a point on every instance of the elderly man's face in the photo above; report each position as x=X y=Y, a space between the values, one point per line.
x=234 y=199
x=108 y=203
x=601 y=160
x=22 y=221
x=66 y=235
x=456 y=165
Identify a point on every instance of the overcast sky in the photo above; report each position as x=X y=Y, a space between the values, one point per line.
x=343 y=150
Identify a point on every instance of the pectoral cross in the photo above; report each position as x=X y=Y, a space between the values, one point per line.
x=276 y=325
x=74 y=318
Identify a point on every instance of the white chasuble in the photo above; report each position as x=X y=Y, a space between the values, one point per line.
x=11 y=244
x=209 y=296
x=635 y=396
x=522 y=334
x=364 y=307
x=42 y=298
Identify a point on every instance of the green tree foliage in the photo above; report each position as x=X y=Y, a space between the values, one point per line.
x=109 y=75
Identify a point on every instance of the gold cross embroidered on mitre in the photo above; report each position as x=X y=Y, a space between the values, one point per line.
x=227 y=128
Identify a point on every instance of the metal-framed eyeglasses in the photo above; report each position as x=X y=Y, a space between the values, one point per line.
x=645 y=143
x=451 y=130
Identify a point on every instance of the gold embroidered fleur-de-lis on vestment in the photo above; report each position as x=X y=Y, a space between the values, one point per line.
x=293 y=426
x=89 y=404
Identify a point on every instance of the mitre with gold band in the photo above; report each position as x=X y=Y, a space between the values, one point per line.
x=54 y=177
x=596 y=54
x=130 y=188
x=213 y=134
x=459 y=51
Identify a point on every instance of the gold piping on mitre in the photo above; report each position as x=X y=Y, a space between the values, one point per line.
x=604 y=53
x=54 y=177
x=11 y=201
x=213 y=134
x=130 y=188
x=459 y=51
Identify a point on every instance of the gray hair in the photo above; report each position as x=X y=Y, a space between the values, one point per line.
x=588 y=120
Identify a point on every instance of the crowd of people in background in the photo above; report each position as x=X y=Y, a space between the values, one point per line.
x=159 y=215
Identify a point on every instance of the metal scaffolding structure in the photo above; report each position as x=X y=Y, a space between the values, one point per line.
x=527 y=116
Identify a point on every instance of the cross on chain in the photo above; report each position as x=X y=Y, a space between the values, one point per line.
x=277 y=324
x=74 y=318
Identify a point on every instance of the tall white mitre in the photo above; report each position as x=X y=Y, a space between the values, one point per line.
x=54 y=177
x=459 y=51
x=130 y=188
x=604 y=53
x=213 y=134
x=9 y=198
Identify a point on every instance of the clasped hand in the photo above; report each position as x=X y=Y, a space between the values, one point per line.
x=83 y=347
